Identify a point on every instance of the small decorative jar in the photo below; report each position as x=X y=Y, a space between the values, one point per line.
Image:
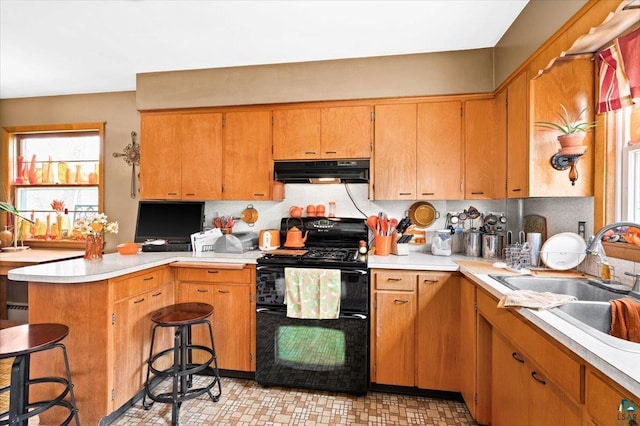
x=93 y=246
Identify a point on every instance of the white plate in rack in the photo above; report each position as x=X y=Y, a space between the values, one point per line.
x=563 y=251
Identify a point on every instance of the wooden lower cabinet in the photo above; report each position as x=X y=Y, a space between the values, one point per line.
x=521 y=393
x=231 y=293
x=414 y=339
x=606 y=402
x=438 y=348
x=132 y=334
x=108 y=341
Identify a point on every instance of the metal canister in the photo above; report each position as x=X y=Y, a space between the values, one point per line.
x=492 y=245
x=472 y=243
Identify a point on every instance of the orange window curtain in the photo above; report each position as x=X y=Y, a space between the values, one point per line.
x=619 y=73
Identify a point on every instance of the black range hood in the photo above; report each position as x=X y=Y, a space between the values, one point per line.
x=322 y=171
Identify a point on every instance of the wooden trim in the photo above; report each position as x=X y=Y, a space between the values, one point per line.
x=622 y=251
x=207 y=265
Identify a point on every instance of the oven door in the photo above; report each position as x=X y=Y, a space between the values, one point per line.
x=354 y=288
x=327 y=355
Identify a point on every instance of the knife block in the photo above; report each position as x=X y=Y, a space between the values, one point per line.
x=399 y=249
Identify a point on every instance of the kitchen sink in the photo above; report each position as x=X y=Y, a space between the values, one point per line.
x=591 y=313
x=594 y=318
x=581 y=288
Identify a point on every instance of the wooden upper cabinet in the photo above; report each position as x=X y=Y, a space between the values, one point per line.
x=296 y=134
x=518 y=137
x=395 y=152
x=440 y=151
x=247 y=161
x=485 y=148
x=346 y=132
x=322 y=133
x=201 y=159
x=180 y=156
x=569 y=83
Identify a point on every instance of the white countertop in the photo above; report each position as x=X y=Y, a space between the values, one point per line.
x=114 y=265
x=621 y=366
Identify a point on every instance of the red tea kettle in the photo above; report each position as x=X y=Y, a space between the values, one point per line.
x=295 y=238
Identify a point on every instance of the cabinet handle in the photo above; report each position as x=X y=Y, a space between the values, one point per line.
x=309 y=152
x=224 y=291
x=430 y=280
x=258 y=195
x=477 y=193
x=405 y=193
x=540 y=380
x=428 y=193
x=200 y=290
x=331 y=152
x=212 y=272
x=156 y=294
x=147 y=279
x=138 y=301
x=190 y=194
x=400 y=301
x=516 y=190
x=172 y=193
x=517 y=357
x=394 y=279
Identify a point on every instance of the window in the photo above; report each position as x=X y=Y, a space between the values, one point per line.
x=61 y=163
x=628 y=164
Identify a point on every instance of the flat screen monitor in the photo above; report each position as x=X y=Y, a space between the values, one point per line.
x=173 y=221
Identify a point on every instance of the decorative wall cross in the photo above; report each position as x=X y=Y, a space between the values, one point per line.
x=131 y=154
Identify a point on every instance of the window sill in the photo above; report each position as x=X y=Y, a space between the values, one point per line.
x=55 y=244
x=622 y=251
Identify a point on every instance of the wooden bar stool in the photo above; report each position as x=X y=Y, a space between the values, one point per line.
x=182 y=317
x=20 y=342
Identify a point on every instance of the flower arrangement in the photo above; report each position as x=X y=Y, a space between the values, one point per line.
x=96 y=224
x=58 y=206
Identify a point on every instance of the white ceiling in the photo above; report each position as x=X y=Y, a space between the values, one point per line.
x=55 y=47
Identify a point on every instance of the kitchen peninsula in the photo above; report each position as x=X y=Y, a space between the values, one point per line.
x=86 y=296
x=16 y=259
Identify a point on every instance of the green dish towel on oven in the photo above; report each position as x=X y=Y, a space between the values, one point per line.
x=312 y=293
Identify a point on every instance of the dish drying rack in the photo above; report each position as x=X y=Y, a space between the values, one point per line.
x=517 y=258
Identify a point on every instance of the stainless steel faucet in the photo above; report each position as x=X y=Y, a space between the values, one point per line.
x=594 y=247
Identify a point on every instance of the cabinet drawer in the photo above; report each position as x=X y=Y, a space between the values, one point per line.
x=132 y=284
x=215 y=275
x=565 y=372
x=395 y=280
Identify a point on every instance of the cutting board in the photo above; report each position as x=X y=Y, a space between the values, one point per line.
x=535 y=223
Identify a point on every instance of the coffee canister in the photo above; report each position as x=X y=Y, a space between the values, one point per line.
x=472 y=243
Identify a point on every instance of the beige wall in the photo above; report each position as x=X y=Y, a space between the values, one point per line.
x=539 y=20
x=118 y=110
x=469 y=71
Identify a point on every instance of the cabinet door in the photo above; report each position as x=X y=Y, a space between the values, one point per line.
x=394 y=170
x=395 y=338
x=203 y=293
x=232 y=326
x=438 y=364
x=248 y=161
x=440 y=161
x=509 y=384
x=547 y=405
x=200 y=140
x=160 y=157
x=518 y=138
x=296 y=134
x=468 y=344
x=132 y=334
x=346 y=132
x=604 y=402
x=485 y=150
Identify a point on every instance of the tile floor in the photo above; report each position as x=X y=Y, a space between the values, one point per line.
x=244 y=402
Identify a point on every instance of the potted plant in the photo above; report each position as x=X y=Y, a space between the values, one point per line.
x=573 y=129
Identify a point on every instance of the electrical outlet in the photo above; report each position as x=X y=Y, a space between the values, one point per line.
x=581 y=229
